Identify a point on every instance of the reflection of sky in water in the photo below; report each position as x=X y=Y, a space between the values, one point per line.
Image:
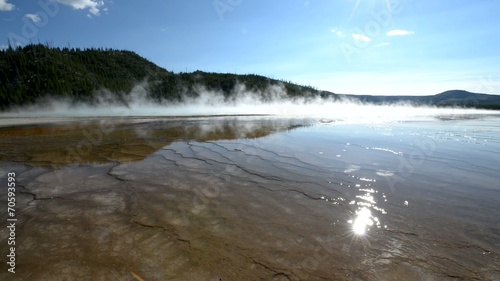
x=383 y=161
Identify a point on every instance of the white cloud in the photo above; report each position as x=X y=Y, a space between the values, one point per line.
x=4 y=6
x=33 y=17
x=361 y=38
x=338 y=32
x=383 y=44
x=92 y=5
x=398 y=32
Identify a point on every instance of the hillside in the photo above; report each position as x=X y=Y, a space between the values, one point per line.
x=448 y=98
x=36 y=71
x=31 y=73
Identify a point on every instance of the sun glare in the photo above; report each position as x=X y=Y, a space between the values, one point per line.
x=362 y=221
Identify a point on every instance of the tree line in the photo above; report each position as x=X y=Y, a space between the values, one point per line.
x=35 y=71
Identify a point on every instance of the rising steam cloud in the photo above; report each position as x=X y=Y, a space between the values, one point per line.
x=272 y=101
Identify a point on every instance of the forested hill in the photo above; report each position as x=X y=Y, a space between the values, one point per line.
x=35 y=71
x=30 y=73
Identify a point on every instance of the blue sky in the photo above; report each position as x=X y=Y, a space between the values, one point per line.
x=386 y=47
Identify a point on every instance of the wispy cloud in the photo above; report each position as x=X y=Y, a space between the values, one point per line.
x=339 y=33
x=4 y=6
x=360 y=37
x=398 y=32
x=383 y=44
x=93 y=6
x=33 y=17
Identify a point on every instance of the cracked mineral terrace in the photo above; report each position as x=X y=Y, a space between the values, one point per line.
x=253 y=198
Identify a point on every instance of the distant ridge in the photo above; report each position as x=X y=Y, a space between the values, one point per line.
x=34 y=72
x=448 y=98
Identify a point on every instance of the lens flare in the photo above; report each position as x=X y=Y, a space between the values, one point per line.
x=137 y=276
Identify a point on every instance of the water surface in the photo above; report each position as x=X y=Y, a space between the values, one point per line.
x=255 y=198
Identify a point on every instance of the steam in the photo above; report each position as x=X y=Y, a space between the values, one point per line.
x=272 y=101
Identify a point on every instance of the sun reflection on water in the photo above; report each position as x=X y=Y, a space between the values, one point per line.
x=366 y=203
x=362 y=221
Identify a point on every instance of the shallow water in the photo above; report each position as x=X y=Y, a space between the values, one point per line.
x=254 y=198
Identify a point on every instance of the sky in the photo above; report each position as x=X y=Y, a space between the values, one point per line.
x=377 y=47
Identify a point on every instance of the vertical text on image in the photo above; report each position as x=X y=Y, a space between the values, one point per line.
x=11 y=221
